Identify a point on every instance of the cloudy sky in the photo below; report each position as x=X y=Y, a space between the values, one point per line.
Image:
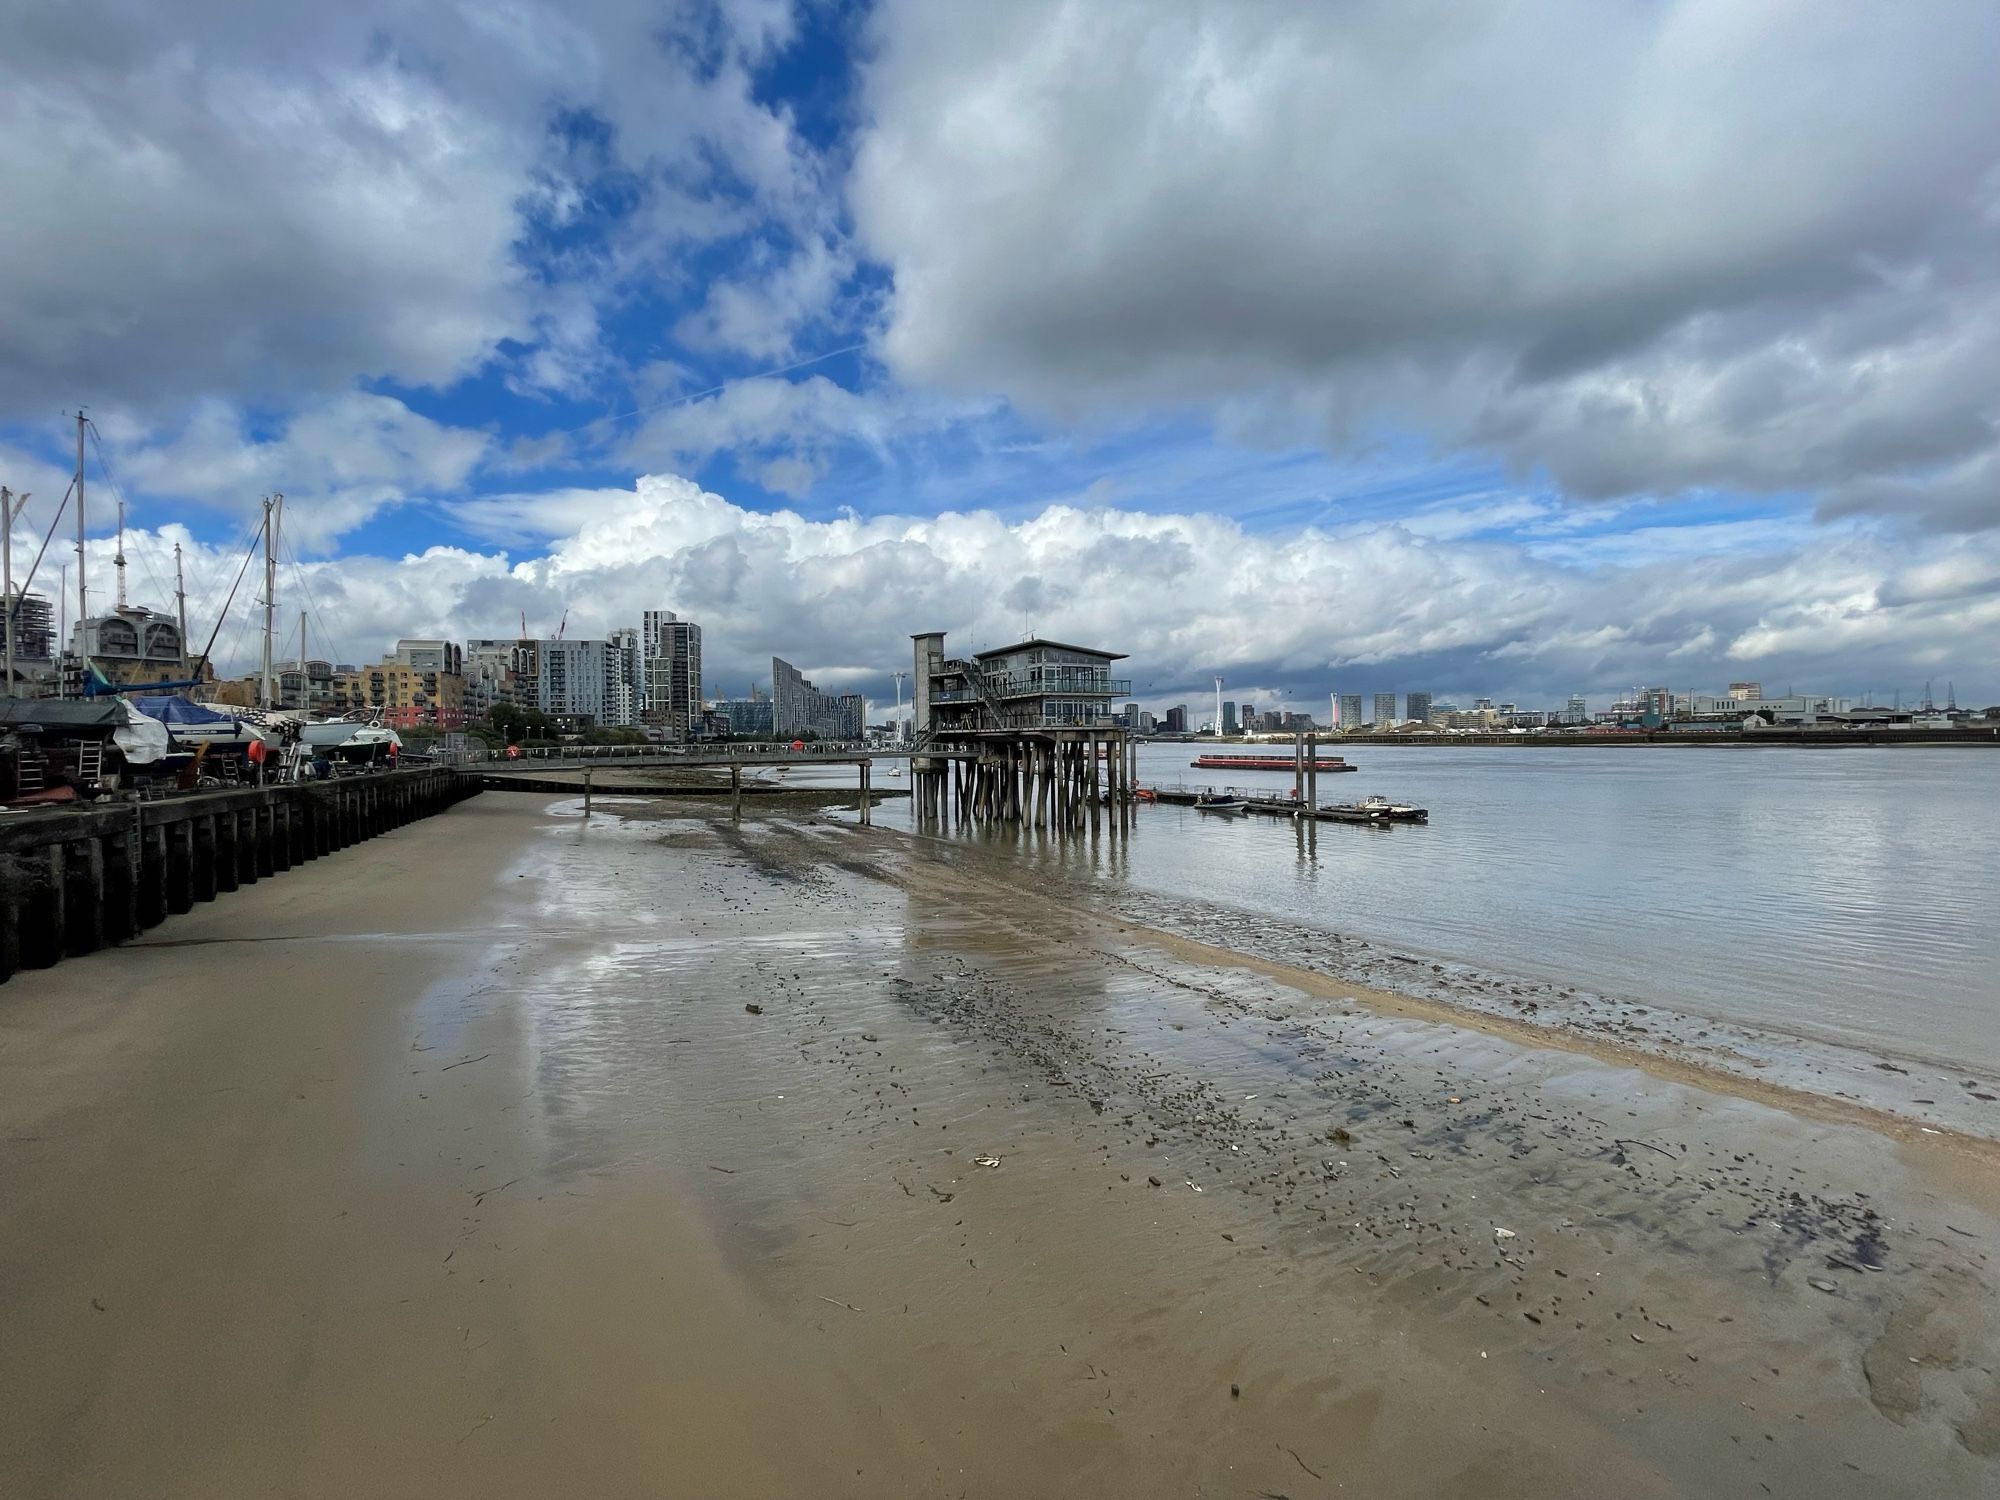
x=1518 y=350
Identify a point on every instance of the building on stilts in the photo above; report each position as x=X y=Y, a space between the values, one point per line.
x=1022 y=734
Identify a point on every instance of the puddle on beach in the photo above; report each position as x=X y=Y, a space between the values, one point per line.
x=1209 y=1178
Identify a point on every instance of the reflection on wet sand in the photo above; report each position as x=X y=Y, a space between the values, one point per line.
x=791 y=1158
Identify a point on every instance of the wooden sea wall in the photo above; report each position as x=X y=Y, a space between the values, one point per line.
x=79 y=878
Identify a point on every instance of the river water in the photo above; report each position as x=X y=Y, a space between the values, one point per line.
x=1845 y=896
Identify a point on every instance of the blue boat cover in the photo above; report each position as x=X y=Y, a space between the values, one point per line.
x=170 y=710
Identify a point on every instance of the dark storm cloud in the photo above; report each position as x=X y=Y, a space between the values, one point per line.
x=1643 y=248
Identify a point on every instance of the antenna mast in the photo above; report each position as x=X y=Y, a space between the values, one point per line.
x=1218 y=706
x=118 y=557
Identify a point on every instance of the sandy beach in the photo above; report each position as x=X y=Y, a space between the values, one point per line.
x=514 y=1154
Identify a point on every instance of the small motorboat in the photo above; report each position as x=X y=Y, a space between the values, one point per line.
x=1219 y=804
x=1374 y=810
x=1395 y=812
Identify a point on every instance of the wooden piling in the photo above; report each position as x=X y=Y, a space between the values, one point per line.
x=77 y=878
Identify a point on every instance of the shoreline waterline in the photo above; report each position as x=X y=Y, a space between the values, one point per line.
x=1815 y=1075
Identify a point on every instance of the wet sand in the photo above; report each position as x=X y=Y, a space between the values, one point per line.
x=513 y=1155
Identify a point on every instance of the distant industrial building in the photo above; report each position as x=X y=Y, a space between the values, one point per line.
x=1746 y=692
x=1793 y=708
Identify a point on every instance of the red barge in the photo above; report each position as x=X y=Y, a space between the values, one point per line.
x=1266 y=763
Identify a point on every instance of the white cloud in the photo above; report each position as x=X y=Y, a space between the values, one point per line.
x=1645 y=248
x=338 y=462
x=790 y=427
x=277 y=208
x=263 y=204
x=760 y=312
x=1186 y=595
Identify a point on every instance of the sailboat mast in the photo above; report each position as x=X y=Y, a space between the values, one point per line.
x=270 y=593
x=181 y=606
x=82 y=600
x=8 y=511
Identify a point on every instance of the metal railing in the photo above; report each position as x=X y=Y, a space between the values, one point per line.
x=1052 y=682
x=983 y=689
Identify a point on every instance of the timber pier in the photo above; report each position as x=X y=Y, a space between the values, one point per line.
x=1047 y=777
x=74 y=879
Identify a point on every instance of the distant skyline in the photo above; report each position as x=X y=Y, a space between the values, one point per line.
x=1556 y=348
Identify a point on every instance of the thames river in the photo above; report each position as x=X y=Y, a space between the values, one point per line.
x=1846 y=896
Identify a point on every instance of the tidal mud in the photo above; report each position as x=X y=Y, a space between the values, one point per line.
x=658 y=1155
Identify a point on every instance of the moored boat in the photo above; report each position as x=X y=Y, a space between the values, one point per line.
x=1378 y=809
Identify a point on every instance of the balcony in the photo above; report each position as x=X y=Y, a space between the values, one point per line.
x=1046 y=683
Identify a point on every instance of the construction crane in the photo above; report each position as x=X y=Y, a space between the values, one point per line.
x=559 y=628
